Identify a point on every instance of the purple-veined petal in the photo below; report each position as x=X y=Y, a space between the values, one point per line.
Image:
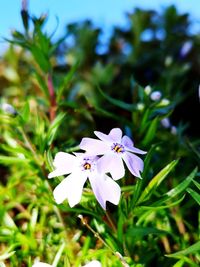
x=70 y=188
x=105 y=189
x=128 y=145
x=64 y=164
x=116 y=134
x=93 y=264
x=126 y=141
x=82 y=156
x=112 y=163
x=134 y=163
x=103 y=137
x=94 y=146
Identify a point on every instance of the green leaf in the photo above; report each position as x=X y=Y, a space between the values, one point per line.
x=183 y=261
x=40 y=58
x=194 y=194
x=43 y=41
x=42 y=84
x=108 y=114
x=155 y=206
x=147 y=160
x=179 y=263
x=48 y=160
x=118 y=103
x=197 y=184
x=177 y=190
x=156 y=181
x=16 y=42
x=6 y=255
x=18 y=35
x=140 y=182
x=6 y=160
x=58 y=255
x=26 y=112
x=54 y=46
x=140 y=232
x=150 y=132
x=54 y=127
x=8 y=221
x=183 y=185
x=66 y=81
x=24 y=239
x=190 y=250
x=120 y=224
x=145 y=120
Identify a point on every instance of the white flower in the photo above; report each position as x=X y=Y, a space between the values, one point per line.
x=114 y=149
x=93 y=264
x=79 y=167
x=41 y=264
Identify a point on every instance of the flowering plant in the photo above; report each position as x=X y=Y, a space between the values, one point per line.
x=115 y=149
x=81 y=166
x=54 y=93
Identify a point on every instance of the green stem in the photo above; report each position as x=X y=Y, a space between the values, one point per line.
x=116 y=253
x=111 y=222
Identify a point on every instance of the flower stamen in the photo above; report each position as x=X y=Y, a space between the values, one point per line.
x=87 y=166
x=118 y=148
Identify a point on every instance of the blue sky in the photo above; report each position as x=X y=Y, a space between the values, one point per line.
x=104 y=13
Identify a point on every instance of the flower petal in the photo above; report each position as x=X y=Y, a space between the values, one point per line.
x=105 y=189
x=103 y=137
x=126 y=141
x=41 y=264
x=64 y=164
x=116 y=134
x=93 y=264
x=134 y=163
x=70 y=188
x=94 y=146
x=128 y=144
x=111 y=163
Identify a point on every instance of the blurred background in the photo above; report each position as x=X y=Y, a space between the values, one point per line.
x=104 y=14
x=68 y=68
x=156 y=42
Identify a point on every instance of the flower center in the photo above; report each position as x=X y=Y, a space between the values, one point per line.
x=87 y=166
x=117 y=148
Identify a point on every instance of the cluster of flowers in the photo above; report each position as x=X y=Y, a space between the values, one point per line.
x=114 y=150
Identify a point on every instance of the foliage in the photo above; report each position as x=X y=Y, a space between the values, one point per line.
x=64 y=90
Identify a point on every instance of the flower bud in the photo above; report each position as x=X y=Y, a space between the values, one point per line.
x=174 y=130
x=147 y=90
x=186 y=48
x=165 y=122
x=156 y=95
x=7 y=108
x=164 y=102
x=140 y=106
